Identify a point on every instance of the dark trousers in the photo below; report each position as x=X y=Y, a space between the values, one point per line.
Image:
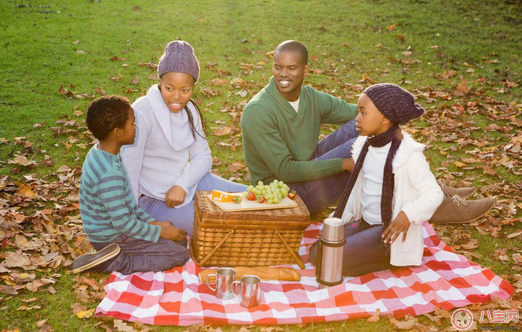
x=143 y=256
x=319 y=194
x=362 y=252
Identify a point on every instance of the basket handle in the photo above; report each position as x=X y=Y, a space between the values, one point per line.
x=209 y=255
x=297 y=259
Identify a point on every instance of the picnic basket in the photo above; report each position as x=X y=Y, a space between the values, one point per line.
x=246 y=238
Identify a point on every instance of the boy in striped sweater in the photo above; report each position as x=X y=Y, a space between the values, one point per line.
x=126 y=238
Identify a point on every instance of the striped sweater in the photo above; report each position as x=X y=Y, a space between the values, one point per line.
x=107 y=206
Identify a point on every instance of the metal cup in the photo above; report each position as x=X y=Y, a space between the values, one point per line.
x=224 y=278
x=250 y=291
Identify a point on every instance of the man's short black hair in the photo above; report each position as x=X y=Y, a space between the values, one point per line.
x=107 y=113
x=293 y=46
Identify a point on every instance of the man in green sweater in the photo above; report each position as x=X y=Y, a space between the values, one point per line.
x=281 y=127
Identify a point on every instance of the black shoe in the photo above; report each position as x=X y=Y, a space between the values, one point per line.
x=91 y=260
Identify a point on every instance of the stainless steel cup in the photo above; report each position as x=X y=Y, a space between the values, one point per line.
x=224 y=278
x=249 y=290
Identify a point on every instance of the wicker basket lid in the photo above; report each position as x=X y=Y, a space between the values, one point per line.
x=207 y=209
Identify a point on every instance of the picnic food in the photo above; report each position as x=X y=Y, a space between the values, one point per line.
x=264 y=273
x=224 y=197
x=272 y=193
x=247 y=236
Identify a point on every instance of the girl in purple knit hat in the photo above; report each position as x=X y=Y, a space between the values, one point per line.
x=171 y=158
x=391 y=191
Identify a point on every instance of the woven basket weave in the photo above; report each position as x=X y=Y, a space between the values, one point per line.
x=249 y=238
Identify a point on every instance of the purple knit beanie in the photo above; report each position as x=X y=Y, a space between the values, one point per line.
x=395 y=103
x=179 y=57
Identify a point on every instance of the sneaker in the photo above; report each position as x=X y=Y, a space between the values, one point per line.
x=456 y=210
x=462 y=192
x=91 y=260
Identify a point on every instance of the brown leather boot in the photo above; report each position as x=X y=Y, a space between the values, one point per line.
x=455 y=210
x=462 y=192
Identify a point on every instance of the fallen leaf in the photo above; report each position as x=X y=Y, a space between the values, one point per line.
x=122 y=327
x=376 y=316
x=135 y=80
x=6 y=289
x=115 y=78
x=16 y=260
x=63 y=169
x=85 y=314
x=222 y=131
x=46 y=328
x=517 y=258
x=515 y=234
x=77 y=307
x=461 y=90
x=24 y=307
x=33 y=286
x=391 y=27
x=23 y=161
x=236 y=166
x=242 y=93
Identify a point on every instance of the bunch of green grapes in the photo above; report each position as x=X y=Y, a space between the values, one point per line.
x=272 y=193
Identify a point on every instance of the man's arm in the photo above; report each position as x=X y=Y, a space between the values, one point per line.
x=334 y=110
x=269 y=144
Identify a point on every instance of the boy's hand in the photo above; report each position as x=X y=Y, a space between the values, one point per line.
x=169 y=232
x=401 y=224
x=175 y=196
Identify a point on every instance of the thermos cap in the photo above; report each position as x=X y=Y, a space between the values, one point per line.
x=333 y=230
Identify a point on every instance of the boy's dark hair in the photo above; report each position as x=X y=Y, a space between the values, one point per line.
x=293 y=46
x=107 y=113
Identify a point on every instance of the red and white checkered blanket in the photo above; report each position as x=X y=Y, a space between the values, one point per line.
x=445 y=280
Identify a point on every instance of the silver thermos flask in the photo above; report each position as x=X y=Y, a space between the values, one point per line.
x=329 y=267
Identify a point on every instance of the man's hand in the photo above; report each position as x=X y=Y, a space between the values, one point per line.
x=401 y=224
x=175 y=196
x=169 y=232
x=348 y=164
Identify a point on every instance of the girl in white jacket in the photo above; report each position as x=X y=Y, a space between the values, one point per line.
x=170 y=158
x=391 y=191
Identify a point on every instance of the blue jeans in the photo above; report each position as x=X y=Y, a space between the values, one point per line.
x=143 y=256
x=362 y=251
x=183 y=217
x=319 y=194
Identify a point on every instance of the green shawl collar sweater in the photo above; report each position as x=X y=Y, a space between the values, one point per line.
x=278 y=142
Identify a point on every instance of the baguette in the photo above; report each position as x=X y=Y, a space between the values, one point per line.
x=264 y=273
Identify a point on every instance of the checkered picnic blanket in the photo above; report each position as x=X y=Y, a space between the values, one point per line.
x=445 y=280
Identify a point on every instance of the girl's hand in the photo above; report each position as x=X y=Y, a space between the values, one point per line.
x=175 y=196
x=401 y=224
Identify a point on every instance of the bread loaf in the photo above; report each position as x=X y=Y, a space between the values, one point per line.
x=264 y=273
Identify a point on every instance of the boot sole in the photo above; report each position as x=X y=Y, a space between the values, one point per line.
x=112 y=251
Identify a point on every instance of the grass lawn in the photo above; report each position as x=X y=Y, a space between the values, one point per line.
x=460 y=58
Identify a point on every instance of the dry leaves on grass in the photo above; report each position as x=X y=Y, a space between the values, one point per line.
x=39 y=217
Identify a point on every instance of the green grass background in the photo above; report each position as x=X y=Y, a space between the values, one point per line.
x=38 y=53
